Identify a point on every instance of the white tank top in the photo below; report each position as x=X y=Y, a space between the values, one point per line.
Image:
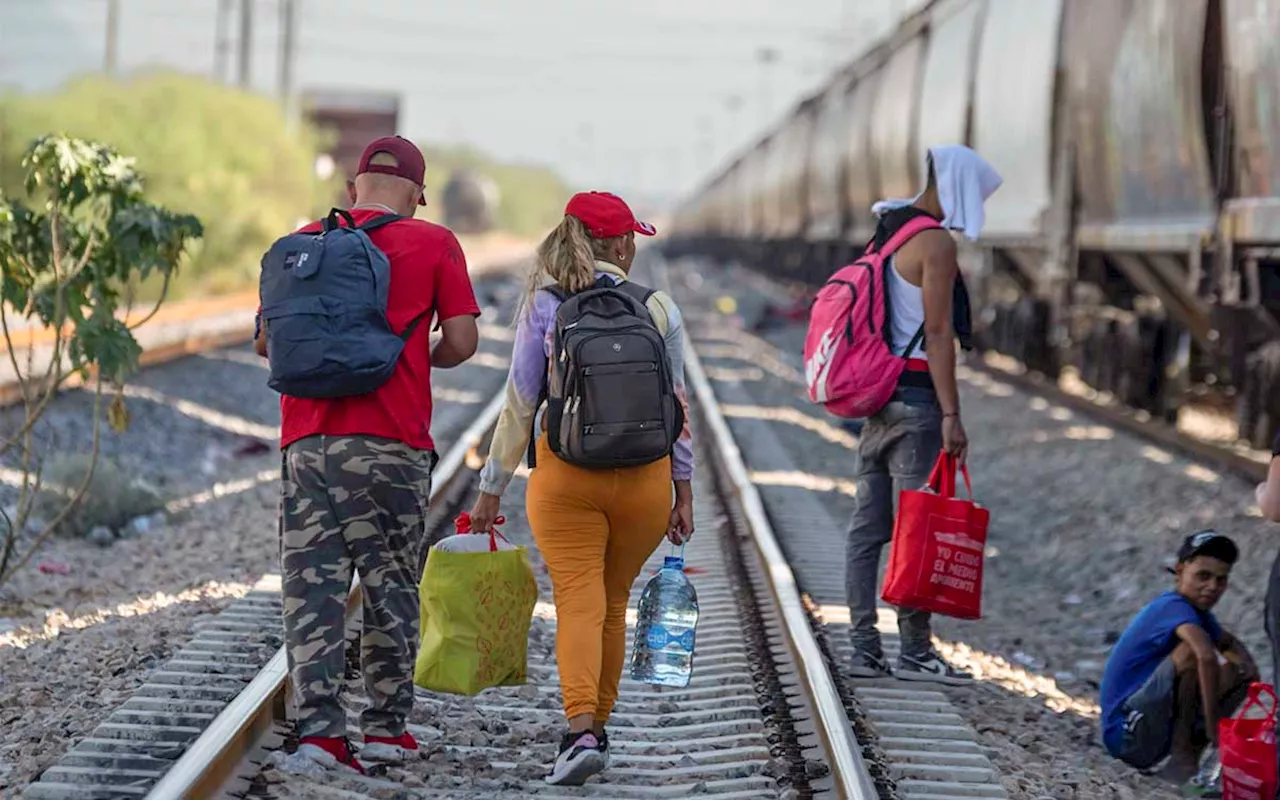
x=906 y=307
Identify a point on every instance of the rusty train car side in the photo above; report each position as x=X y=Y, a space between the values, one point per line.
x=1137 y=235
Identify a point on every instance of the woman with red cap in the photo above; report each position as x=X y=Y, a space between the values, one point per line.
x=595 y=528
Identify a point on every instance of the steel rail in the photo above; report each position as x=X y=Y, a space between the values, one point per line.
x=212 y=759
x=164 y=351
x=844 y=754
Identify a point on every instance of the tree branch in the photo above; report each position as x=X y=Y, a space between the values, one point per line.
x=49 y=385
x=80 y=492
x=164 y=292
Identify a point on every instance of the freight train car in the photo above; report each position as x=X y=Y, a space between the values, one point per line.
x=470 y=202
x=1137 y=234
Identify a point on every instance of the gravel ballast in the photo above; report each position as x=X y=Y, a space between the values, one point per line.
x=83 y=625
x=1084 y=518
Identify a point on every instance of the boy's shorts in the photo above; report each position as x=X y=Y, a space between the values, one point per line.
x=1148 y=718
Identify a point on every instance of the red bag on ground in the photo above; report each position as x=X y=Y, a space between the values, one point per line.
x=1247 y=748
x=939 y=540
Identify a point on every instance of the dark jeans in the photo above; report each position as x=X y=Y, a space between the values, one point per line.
x=1272 y=620
x=897 y=450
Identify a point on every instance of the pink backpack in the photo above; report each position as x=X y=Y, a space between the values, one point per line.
x=848 y=364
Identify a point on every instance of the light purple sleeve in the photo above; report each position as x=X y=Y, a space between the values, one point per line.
x=524 y=384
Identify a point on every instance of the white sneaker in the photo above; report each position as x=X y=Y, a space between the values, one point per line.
x=389 y=751
x=931 y=669
x=581 y=756
x=314 y=756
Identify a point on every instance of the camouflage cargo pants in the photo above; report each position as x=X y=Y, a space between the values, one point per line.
x=352 y=502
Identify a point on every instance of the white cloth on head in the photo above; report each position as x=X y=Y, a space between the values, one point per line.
x=964 y=179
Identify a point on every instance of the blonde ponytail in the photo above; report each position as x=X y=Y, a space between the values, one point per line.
x=566 y=258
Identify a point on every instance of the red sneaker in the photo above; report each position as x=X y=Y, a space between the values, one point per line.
x=389 y=750
x=329 y=751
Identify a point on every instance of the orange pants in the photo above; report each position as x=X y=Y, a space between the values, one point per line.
x=595 y=529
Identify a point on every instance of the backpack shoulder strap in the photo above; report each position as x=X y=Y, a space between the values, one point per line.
x=330 y=222
x=916 y=340
x=641 y=293
x=379 y=221
x=413 y=324
x=908 y=230
x=555 y=291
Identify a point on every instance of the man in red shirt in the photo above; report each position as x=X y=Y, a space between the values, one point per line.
x=357 y=475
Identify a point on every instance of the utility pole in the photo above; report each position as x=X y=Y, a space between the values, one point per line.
x=222 y=41
x=109 y=59
x=288 y=43
x=246 y=40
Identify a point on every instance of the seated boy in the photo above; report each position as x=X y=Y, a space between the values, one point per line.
x=1175 y=671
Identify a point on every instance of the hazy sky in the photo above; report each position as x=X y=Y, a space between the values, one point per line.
x=632 y=96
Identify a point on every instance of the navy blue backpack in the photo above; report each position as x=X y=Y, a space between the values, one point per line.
x=324 y=306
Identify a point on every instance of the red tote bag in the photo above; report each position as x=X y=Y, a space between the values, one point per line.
x=939 y=540
x=1247 y=747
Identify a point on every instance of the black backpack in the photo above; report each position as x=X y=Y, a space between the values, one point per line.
x=610 y=396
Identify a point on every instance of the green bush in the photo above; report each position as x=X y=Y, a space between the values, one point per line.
x=226 y=156
x=111 y=500
x=213 y=151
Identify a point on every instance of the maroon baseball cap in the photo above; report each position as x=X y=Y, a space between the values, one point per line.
x=409 y=162
x=605 y=215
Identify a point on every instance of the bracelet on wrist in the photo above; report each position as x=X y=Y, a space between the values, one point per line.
x=952 y=414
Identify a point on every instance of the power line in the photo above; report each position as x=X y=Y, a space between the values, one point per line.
x=343 y=49
x=486 y=26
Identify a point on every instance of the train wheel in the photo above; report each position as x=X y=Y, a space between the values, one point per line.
x=1100 y=353
x=1004 y=330
x=1247 y=402
x=1033 y=336
x=1089 y=356
x=991 y=330
x=1111 y=352
x=1017 y=344
x=1129 y=388
x=1267 y=419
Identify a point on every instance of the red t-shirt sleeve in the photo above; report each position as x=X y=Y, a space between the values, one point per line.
x=453 y=291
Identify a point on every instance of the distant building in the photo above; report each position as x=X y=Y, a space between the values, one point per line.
x=353 y=118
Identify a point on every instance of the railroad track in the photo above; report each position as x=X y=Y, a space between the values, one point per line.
x=760 y=381
x=763 y=716
x=767 y=714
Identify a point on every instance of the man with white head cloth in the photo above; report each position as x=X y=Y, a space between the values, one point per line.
x=900 y=443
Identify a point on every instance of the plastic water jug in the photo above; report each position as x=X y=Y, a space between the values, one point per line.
x=662 y=652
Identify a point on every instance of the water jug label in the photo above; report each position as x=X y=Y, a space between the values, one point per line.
x=657 y=638
x=686 y=640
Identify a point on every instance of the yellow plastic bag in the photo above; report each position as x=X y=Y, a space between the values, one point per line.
x=475 y=610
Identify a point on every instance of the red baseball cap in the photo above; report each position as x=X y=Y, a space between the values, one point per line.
x=605 y=215
x=409 y=162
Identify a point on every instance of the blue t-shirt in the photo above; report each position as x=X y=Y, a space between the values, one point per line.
x=1148 y=640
